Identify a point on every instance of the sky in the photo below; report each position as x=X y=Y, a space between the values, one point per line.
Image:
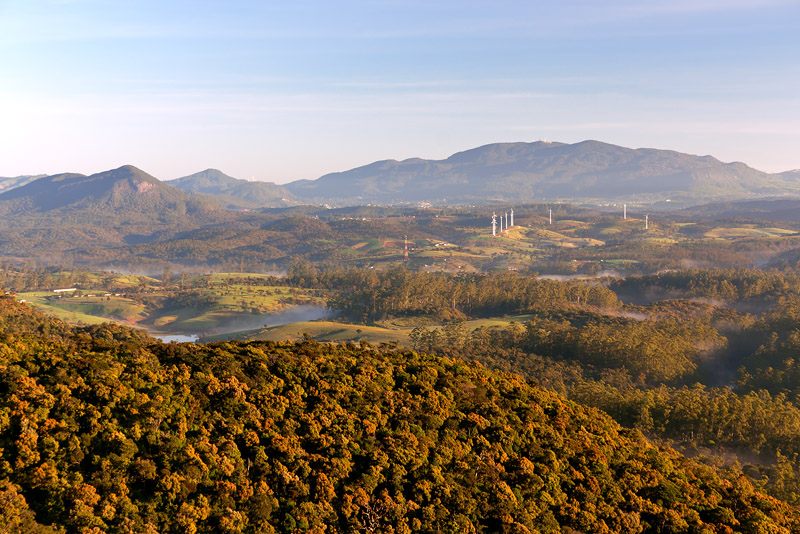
x=287 y=90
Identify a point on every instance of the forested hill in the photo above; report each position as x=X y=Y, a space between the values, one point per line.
x=103 y=430
x=783 y=209
x=234 y=193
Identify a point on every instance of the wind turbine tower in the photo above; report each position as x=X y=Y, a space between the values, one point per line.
x=512 y=216
x=405 y=250
x=646 y=217
x=494 y=224
x=624 y=211
x=551 y=215
x=506 y=220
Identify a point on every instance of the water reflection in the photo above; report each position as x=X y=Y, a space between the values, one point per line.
x=178 y=338
x=293 y=314
x=566 y=277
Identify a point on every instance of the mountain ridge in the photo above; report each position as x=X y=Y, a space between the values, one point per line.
x=507 y=172
x=9 y=183
x=528 y=172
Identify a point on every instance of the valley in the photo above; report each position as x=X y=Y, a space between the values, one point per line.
x=579 y=244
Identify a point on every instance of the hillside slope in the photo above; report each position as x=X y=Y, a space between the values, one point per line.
x=102 y=430
x=524 y=172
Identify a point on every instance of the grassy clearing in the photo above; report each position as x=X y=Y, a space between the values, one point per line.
x=243 y=297
x=90 y=310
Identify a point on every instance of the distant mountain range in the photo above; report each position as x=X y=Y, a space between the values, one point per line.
x=791 y=175
x=6 y=184
x=526 y=172
x=233 y=193
x=504 y=172
x=122 y=194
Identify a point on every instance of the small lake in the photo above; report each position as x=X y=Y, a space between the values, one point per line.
x=292 y=314
x=179 y=338
x=565 y=277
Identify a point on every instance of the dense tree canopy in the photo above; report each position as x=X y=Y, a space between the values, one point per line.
x=108 y=431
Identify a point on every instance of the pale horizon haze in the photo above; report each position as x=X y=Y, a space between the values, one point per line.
x=281 y=91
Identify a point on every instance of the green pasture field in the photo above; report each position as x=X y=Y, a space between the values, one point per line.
x=619 y=262
x=368 y=245
x=69 y=315
x=749 y=231
x=85 y=309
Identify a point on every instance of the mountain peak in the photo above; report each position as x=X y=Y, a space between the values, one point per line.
x=125 y=189
x=206 y=178
x=130 y=168
x=126 y=171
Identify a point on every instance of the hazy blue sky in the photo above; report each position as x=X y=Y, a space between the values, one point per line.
x=287 y=90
